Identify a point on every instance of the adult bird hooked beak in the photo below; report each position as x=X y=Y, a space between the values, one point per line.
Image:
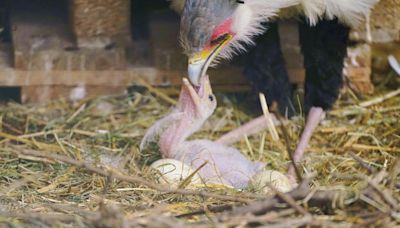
x=211 y=28
x=207 y=33
x=200 y=61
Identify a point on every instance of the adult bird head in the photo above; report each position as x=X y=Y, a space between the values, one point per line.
x=219 y=28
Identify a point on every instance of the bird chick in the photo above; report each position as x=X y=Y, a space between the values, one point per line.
x=221 y=164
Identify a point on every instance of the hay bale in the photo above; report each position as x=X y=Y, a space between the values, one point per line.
x=94 y=18
x=43 y=41
x=383 y=24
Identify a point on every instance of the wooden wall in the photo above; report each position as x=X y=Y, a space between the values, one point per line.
x=57 y=46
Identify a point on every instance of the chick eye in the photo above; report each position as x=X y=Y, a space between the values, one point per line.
x=211 y=98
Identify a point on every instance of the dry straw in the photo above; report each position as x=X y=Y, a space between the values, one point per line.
x=67 y=165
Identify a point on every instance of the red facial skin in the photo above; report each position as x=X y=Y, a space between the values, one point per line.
x=220 y=30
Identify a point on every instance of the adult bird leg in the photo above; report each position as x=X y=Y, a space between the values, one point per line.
x=315 y=115
x=250 y=128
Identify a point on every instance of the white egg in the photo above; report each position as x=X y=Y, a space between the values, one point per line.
x=280 y=181
x=174 y=172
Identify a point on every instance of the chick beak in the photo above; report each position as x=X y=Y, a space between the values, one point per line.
x=199 y=62
x=206 y=87
x=194 y=96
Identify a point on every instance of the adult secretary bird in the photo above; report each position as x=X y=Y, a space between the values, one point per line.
x=212 y=29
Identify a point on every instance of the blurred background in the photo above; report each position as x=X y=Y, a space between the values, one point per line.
x=83 y=48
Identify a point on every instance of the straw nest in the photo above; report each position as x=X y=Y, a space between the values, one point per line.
x=78 y=165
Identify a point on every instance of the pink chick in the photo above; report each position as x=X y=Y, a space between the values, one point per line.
x=224 y=165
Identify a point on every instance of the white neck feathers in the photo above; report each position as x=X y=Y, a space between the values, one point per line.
x=248 y=18
x=247 y=22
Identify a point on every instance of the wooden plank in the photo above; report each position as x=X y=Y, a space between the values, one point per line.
x=37 y=94
x=39 y=86
x=11 y=77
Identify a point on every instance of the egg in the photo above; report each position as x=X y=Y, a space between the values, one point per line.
x=174 y=172
x=280 y=181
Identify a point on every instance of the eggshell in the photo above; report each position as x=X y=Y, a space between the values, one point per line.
x=173 y=172
x=280 y=181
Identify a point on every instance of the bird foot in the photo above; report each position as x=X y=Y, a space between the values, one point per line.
x=314 y=117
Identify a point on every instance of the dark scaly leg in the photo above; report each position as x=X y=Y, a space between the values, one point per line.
x=324 y=47
x=266 y=70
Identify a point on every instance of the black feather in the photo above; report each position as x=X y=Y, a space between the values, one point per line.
x=266 y=69
x=324 y=47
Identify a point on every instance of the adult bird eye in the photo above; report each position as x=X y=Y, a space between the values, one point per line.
x=219 y=39
x=211 y=98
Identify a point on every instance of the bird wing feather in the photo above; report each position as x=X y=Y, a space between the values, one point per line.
x=350 y=12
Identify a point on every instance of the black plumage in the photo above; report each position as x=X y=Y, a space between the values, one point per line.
x=266 y=69
x=324 y=47
x=323 y=42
